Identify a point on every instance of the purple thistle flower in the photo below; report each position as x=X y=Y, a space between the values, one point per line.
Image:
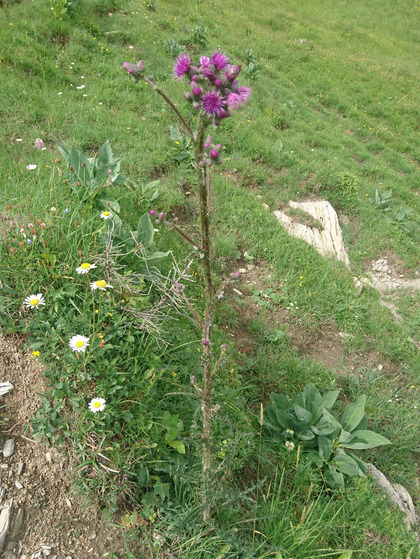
x=214 y=154
x=232 y=72
x=134 y=69
x=196 y=91
x=213 y=104
x=209 y=74
x=245 y=93
x=219 y=60
x=39 y=144
x=204 y=61
x=152 y=213
x=161 y=215
x=182 y=66
x=234 y=100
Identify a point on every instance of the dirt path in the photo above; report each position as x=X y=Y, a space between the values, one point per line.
x=37 y=478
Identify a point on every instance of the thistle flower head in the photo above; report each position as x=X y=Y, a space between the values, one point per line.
x=204 y=61
x=219 y=60
x=181 y=66
x=213 y=103
x=135 y=70
x=232 y=72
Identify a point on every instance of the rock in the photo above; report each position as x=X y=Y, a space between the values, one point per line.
x=9 y=448
x=68 y=502
x=358 y=285
x=398 y=495
x=9 y=555
x=5 y=517
x=329 y=241
x=17 y=523
x=10 y=546
x=5 y=387
x=48 y=457
x=18 y=485
x=20 y=468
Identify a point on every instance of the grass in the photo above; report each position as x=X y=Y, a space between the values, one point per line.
x=334 y=116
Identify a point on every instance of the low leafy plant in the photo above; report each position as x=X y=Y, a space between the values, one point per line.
x=62 y=8
x=382 y=200
x=173 y=48
x=307 y=419
x=199 y=35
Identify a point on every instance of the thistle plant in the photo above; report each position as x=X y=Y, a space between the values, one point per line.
x=214 y=94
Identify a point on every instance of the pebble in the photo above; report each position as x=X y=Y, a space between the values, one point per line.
x=68 y=502
x=48 y=456
x=20 y=468
x=9 y=448
x=18 y=485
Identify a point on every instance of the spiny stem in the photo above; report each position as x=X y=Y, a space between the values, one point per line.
x=179 y=115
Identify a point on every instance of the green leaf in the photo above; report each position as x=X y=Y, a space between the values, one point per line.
x=105 y=155
x=366 y=439
x=327 y=401
x=360 y=463
x=346 y=555
x=278 y=416
x=345 y=464
x=110 y=203
x=345 y=436
x=301 y=413
x=311 y=395
x=279 y=400
x=81 y=165
x=363 y=424
x=177 y=445
x=324 y=446
x=353 y=414
x=336 y=476
x=326 y=425
x=145 y=231
x=161 y=489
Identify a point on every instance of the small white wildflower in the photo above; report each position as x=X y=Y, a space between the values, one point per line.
x=31 y=167
x=79 y=343
x=290 y=432
x=53 y=209
x=85 y=267
x=106 y=215
x=34 y=301
x=97 y=404
x=100 y=284
x=289 y=445
x=19 y=140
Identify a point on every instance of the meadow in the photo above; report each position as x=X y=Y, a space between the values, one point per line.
x=334 y=115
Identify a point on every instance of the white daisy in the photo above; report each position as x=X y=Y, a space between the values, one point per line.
x=31 y=167
x=34 y=301
x=100 y=284
x=106 y=215
x=97 y=404
x=79 y=343
x=85 y=267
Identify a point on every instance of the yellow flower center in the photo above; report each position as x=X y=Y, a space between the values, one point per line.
x=97 y=404
x=85 y=266
x=34 y=302
x=80 y=343
x=101 y=283
x=106 y=214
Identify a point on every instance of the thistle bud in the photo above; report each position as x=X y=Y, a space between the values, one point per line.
x=214 y=154
x=161 y=215
x=152 y=213
x=218 y=83
x=196 y=91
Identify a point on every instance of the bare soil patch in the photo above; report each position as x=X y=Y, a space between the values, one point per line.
x=52 y=514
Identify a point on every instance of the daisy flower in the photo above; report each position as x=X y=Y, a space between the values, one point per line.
x=79 y=343
x=100 y=284
x=34 y=301
x=97 y=404
x=31 y=167
x=85 y=267
x=106 y=215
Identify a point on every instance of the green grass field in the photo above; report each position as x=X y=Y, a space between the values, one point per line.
x=334 y=115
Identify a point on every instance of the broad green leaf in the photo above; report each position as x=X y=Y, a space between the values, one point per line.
x=327 y=401
x=345 y=436
x=145 y=231
x=177 y=445
x=363 y=424
x=301 y=413
x=64 y=151
x=305 y=435
x=161 y=489
x=353 y=414
x=283 y=418
x=110 y=203
x=360 y=463
x=366 y=439
x=326 y=425
x=336 y=475
x=279 y=400
x=105 y=154
x=345 y=464
x=324 y=447
x=311 y=395
x=346 y=555
x=81 y=166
